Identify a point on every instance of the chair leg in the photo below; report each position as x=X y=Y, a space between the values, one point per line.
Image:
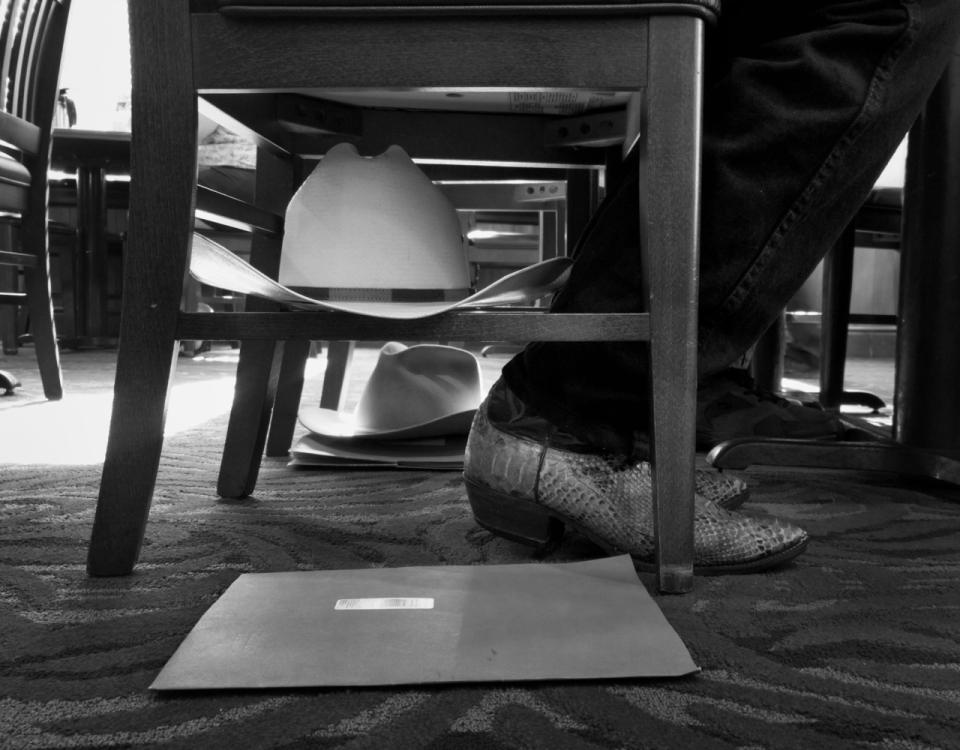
x=162 y=179
x=835 y=317
x=8 y=330
x=258 y=369
x=191 y=303
x=669 y=238
x=144 y=370
x=40 y=304
x=582 y=201
x=8 y=313
x=44 y=333
x=286 y=402
x=767 y=363
x=339 y=356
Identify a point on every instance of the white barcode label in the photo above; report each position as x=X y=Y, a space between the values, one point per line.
x=386 y=603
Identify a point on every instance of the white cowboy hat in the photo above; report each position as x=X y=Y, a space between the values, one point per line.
x=374 y=236
x=419 y=391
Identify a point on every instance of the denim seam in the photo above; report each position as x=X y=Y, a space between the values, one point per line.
x=864 y=117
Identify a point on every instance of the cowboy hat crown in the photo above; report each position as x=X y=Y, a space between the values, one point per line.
x=373 y=229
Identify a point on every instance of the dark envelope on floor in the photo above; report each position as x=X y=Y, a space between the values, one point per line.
x=421 y=625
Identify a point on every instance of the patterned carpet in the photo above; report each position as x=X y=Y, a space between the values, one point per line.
x=856 y=644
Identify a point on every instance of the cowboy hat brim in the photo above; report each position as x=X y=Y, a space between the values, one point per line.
x=213 y=264
x=446 y=453
x=332 y=424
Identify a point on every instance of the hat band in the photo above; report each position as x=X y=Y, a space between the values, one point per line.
x=361 y=294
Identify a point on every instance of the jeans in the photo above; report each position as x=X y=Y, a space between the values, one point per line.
x=805 y=101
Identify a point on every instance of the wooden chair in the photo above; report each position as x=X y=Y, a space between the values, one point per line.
x=31 y=42
x=258 y=65
x=877 y=225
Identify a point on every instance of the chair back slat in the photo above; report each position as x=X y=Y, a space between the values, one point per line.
x=11 y=35
x=32 y=39
x=6 y=7
x=31 y=34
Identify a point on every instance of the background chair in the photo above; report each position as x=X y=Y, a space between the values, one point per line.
x=31 y=42
x=89 y=200
x=877 y=225
x=258 y=66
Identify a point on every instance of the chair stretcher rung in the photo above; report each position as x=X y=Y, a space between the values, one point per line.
x=455 y=326
x=10 y=258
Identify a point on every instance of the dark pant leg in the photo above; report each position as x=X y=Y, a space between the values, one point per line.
x=805 y=103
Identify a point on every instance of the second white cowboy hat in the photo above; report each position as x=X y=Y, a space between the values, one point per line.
x=419 y=391
x=374 y=236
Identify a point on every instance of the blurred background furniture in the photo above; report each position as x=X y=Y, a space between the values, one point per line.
x=254 y=64
x=817 y=339
x=31 y=43
x=877 y=226
x=90 y=197
x=93 y=167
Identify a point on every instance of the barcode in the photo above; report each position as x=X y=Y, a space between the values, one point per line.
x=386 y=603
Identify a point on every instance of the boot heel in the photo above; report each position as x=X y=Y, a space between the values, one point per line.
x=513 y=518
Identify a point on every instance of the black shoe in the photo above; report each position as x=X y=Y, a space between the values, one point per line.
x=729 y=405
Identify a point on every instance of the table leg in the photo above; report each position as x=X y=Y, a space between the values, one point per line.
x=927 y=398
x=93 y=268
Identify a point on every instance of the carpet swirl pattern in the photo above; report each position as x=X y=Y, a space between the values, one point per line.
x=855 y=645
